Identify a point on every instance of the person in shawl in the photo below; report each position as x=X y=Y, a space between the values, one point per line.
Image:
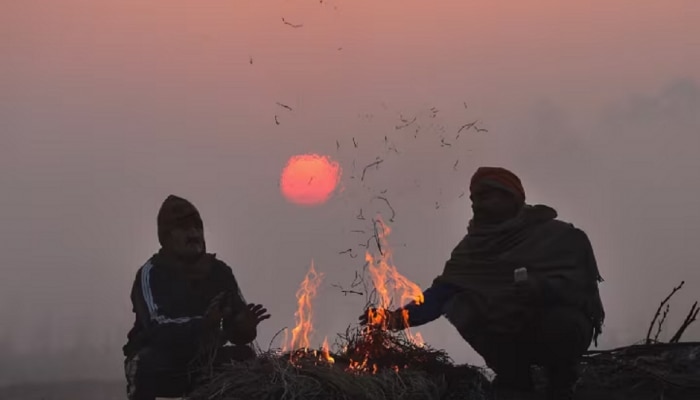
x=188 y=307
x=521 y=288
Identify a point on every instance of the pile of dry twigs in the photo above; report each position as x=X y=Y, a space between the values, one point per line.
x=376 y=365
x=645 y=371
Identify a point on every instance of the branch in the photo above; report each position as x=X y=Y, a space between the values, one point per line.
x=692 y=316
x=661 y=323
x=658 y=311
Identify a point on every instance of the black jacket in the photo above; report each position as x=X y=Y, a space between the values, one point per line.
x=169 y=307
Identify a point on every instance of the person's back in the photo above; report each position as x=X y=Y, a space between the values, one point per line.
x=180 y=297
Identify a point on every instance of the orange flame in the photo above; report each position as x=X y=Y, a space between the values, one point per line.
x=325 y=351
x=389 y=283
x=307 y=291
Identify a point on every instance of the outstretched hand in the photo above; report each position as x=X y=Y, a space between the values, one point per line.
x=258 y=313
x=383 y=318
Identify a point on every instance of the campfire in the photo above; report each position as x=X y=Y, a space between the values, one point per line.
x=371 y=348
x=369 y=362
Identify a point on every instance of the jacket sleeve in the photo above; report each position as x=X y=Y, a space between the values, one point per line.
x=238 y=328
x=434 y=300
x=183 y=332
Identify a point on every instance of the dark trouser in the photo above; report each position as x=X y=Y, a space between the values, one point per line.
x=555 y=339
x=155 y=373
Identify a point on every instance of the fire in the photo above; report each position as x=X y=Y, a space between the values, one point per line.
x=389 y=283
x=304 y=327
x=325 y=351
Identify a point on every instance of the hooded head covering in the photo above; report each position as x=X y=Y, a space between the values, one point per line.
x=500 y=178
x=174 y=212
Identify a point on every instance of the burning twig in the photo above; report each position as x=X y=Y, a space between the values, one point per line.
x=284 y=106
x=359 y=279
x=480 y=129
x=372 y=164
x=692 y=316
x=376 y=235
x=347 y=291
x=437 y=205
x=337 y=145
x=354 y=142
x=250 y=58
x=360 y=216
x=406 y=123
x=277 y=121
x=345 y=251
x=310 y=179
x=393 y=213
x=366 y=243
x=467 y=126
x=443 y=143
x=291 y=24
x=454 y=167
x=658 y=311
x=358 y=231
x=461 y=195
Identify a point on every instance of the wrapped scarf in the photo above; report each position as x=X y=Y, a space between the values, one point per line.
x=555 y=253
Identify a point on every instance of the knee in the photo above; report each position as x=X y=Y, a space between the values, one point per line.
x=565 y=330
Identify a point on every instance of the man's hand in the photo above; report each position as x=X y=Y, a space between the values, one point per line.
x=384 y=318
x=257 y=313
x=216 y=311
x=242 y=328
x=529 y=288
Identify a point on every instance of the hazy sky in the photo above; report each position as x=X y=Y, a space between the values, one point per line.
x=106 y=107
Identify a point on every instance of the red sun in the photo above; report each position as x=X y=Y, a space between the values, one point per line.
x=309 y=179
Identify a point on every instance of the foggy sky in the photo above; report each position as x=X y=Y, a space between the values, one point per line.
x=108 y=107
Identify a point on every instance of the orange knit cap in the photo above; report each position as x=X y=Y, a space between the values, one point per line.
x=499 y=178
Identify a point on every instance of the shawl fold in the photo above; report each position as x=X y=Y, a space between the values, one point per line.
x=557 y=255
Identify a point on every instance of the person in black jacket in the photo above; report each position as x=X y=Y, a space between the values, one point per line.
x=186 y=302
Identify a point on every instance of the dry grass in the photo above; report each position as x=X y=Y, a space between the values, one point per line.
x=395 y=369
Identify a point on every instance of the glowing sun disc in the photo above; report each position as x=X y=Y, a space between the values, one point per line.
x=309 y=179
